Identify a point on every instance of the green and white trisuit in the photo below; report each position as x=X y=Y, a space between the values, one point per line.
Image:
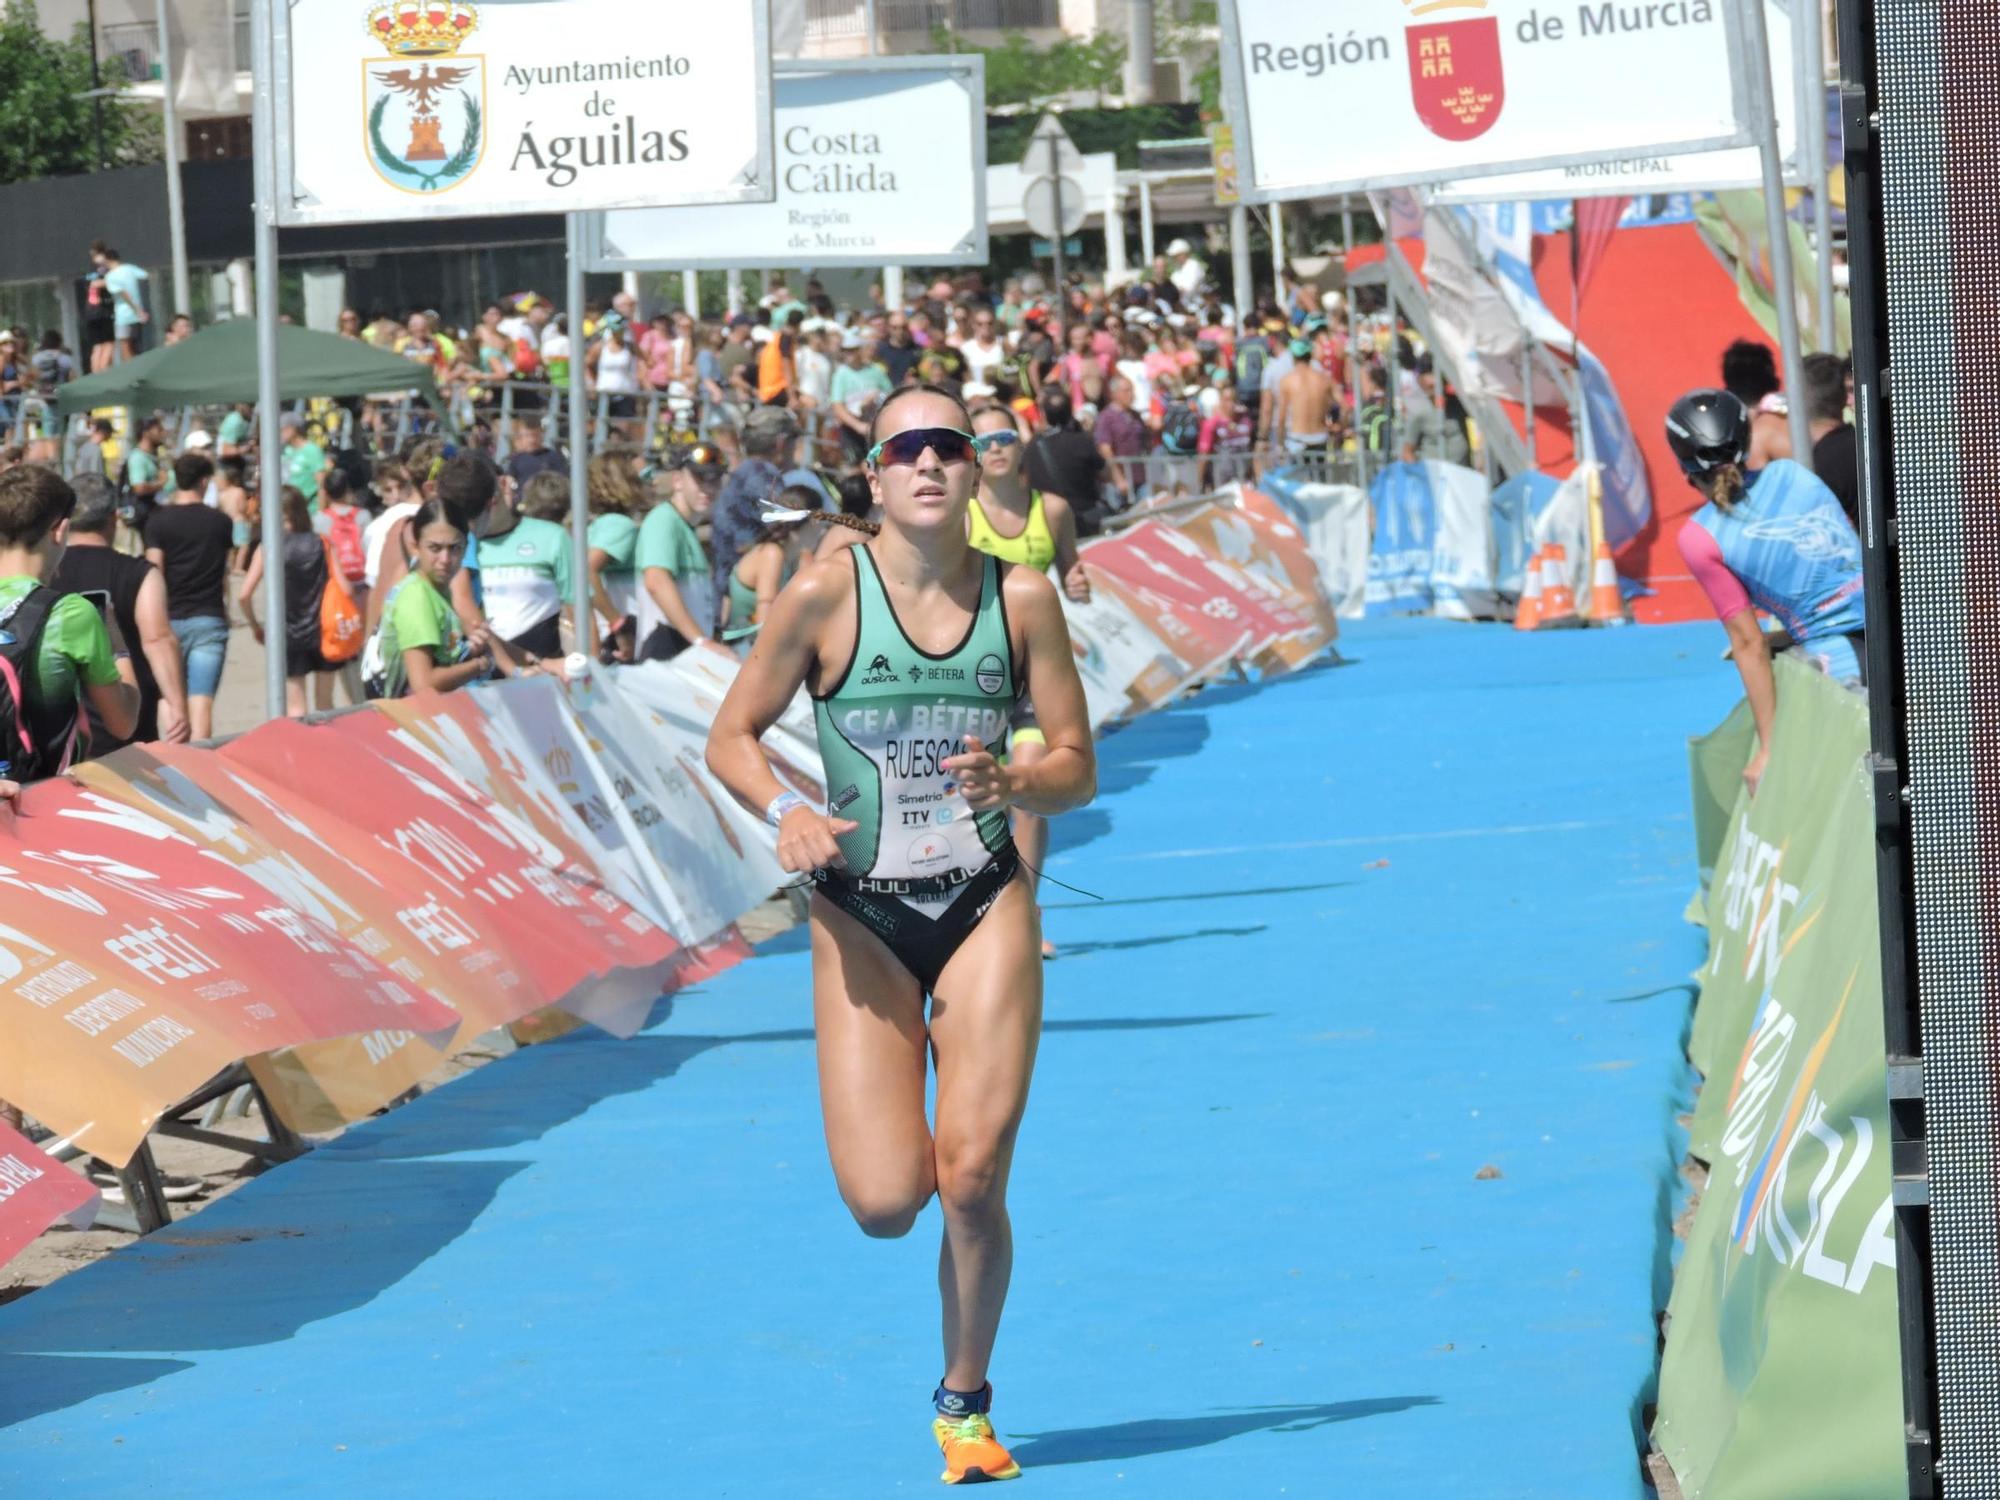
x=922 y=867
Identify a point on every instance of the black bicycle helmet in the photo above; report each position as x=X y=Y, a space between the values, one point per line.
x=1708 y=430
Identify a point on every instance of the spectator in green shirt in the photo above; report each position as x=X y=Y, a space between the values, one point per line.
x=232 y=436
x=305 y=461
x=145 y=475
x=424 y=648
x=73 y=661
x=859 y=384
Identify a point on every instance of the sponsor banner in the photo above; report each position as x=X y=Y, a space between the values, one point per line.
x=1646 y=172
x=406 y=109
x=1125 y=668
x=1433 y=547
x=36 y=1191
x=138 y=966
x=1154 y=559
x=657 y=771
x=1334 y=518
x=881 y=162
x=1780 y=1379
x=579 y=945
x=1252 y=533
x=1471 y=88
x=1199 y=652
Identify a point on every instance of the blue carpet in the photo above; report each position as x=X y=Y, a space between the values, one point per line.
x=1367 y=931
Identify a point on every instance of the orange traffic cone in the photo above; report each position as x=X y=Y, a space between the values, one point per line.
x=1607 y=602
x=1528 y=611
x=1558 y=598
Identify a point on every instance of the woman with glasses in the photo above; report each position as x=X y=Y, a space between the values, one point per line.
x=1021 y=525
x=916 y=648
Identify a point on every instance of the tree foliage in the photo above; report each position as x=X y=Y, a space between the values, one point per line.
x=1017 y=72
x=46 y=124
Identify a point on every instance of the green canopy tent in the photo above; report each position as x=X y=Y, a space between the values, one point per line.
x=218 y=367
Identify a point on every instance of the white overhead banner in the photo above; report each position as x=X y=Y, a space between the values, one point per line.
x=403 y=109
x=880 y=162
x=1648 y=172
x=1340 y=95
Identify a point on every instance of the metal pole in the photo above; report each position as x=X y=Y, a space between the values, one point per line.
x=1239 y=263
x=1808 y=40
x=733 y=286
x=1353 y=337
x=691 y=293
x=270 y=469
x=1528 y=393
x=892 y=288
x=1139 y=56
x=96 y=87
x=1146 y=223
x=1055 y=182
x=1278 y=250
x=1764 y=123
x=171 y=129
x=579 y=442
x=868 y=20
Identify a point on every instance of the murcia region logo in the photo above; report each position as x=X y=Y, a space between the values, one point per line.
x=425 y=101
x=1455 y=75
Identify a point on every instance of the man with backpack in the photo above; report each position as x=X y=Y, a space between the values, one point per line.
x=55 y=650
x=1253 y=352
x=190 y=543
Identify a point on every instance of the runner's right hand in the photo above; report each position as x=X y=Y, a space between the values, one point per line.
x=807 y=841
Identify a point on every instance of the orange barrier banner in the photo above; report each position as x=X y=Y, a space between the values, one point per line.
x=36 y=1191
x=144 y=966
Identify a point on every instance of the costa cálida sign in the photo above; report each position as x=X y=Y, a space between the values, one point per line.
x=391 y=109
x=1341 y=95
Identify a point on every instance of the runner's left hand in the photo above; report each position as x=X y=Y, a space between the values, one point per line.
x=1076 y=583
x=982 y=781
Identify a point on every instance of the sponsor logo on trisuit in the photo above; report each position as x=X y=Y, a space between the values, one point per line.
x=843 y=798
x=990 y=674
x=879 y=670
x=930 y=851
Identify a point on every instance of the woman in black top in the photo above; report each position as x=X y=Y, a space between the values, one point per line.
x=305 y=585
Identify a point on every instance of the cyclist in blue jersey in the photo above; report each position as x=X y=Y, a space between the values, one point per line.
x=917 y=648
x=1773 y=539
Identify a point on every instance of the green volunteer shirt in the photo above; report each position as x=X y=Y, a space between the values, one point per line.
x=75 y=652
x=419 y=618
x=302 y=466
x=667 y=541
x=524 y=576
x=850 y=383
x=617 y=537
x=140 y=468
x=234 y=431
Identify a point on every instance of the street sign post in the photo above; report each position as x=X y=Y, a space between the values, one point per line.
x=1054 y=204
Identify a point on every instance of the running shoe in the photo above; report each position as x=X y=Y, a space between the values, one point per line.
x=972 y=1455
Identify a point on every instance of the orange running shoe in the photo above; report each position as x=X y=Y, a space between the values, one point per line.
x=972 y=1455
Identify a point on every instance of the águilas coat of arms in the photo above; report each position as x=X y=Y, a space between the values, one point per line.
x=1455 y=74
x=424 y=102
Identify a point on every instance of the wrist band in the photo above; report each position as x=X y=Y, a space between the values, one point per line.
x=783 y=803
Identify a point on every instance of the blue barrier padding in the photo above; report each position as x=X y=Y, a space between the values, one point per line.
x=1253 y=1255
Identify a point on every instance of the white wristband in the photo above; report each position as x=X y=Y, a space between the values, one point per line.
x=781 y=804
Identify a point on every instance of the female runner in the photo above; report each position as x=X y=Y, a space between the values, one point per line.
x=1040 y=533
x=915 y=648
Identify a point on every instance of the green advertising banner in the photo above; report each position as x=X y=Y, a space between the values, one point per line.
x=1780 y=1379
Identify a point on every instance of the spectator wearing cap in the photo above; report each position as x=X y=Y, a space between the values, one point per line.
x=858 y=388
x=135 y=595
x=769 y=437
x=676 y=595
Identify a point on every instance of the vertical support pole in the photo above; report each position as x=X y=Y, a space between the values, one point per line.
x=1764 y=124
x=1353 y=335
x=1278 y=249
x=1528 y=393
x=1146 y=223
x=691 y=293
x=170 y=129
x=892 y=288
x=1242 y=288
x=1062 y=283
x=733 y=287
x=270 y=474
x=579 y=443
x=1115 y=268
x=1809 y=41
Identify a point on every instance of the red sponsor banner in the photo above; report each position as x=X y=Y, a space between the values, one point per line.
x=134 y=966
x=1254 y=546
x=36 y=1191
x=579 y=945
x=1169 y=569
